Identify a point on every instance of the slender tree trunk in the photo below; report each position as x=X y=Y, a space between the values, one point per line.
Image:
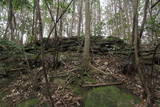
x=144 y=17
x=93 y=17
x=10 y=22
x=135 y=24
x=56 y=54
x=126 y=8
x=99 y=11
x=79 y=18
x=34 y=23
x=42 y=53
x=122 y=21
x=61 y=23
x=137 y=38
x=135 y=33
x=117 y=30
x=147 y=89
x=86 y=51
x=61 y=28
x=73 y=19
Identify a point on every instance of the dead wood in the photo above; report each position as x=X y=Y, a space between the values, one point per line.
x=92 y=67
x=101 y=84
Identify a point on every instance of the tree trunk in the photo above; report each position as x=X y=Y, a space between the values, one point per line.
x=144 y=17
x=79 y=17
x=86 y=52
x=99 y=11
x=42 y=52
x=73 y=20
x=135 y=33
x=10 y=22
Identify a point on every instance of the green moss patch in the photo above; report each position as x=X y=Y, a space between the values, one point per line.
x=2 y=102
x=109 y=97
x=29 y=103
x=89 y=79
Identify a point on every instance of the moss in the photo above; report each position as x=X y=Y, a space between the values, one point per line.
x=109 y=97
x=77 y=90
x=45 y=105
x=112 y=38
x=88 y=79
x=75 y=86
x=3 y=103
x=29 y=103
x=79 y=81
x=10 y=49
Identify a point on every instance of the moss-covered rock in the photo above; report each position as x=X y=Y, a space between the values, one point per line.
x=109 y=97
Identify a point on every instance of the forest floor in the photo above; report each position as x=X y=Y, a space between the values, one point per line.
x=68 y=83
x=70 y=86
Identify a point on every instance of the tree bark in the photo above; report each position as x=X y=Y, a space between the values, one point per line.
x=79 y=17
x=144 y=17
x=73 y=20
x=10 y=22
x=86 y=52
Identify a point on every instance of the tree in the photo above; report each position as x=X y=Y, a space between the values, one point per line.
x=40 y=30
x=79 y=17
x=137 y=41
x=73 y=19
x=11 y=21
x=86 y=49
x=144 y=17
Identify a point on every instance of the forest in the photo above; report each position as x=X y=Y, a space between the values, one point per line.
x=79 y=53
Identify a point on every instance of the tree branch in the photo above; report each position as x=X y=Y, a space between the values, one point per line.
x=155 y=4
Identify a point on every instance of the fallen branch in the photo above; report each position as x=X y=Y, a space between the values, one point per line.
x=101 y=84
x=16 y=69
